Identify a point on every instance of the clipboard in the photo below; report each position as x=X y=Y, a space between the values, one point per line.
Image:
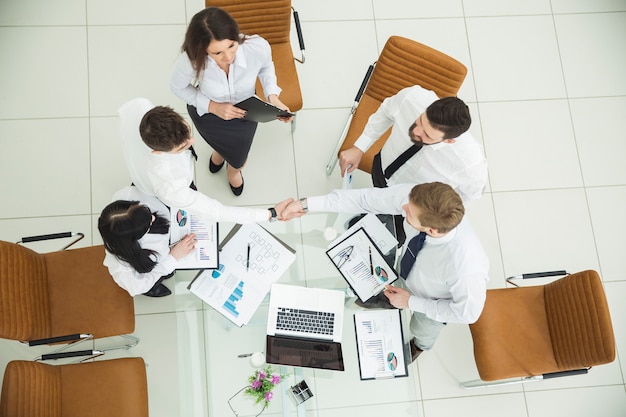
x=261 y=111
x=206 y=253
x=362 y=264
x=238 y=286
x=380 y=344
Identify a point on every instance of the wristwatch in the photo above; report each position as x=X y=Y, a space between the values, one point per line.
x=273 y=214
x=305 y=206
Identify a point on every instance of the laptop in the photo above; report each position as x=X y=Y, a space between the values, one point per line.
x=304 y=327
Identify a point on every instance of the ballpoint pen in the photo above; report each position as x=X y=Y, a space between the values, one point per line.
x=371 y=263
x=248 y=259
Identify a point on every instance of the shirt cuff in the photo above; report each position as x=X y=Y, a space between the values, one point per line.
x=169 y=264
x=364 y=142
x=202 y=104
x=315 y=203
x=417 y=304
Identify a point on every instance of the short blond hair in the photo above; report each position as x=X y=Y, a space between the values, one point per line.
x=440 y=206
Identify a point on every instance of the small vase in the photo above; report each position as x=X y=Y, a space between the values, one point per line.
x=244 y=405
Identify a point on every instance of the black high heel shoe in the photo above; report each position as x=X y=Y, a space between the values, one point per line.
x=213 y=168
x=237 y=190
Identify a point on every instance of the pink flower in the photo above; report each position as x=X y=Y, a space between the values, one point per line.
x=269 y=396
x=256 y=384
x=275 y=379
x=262 y=375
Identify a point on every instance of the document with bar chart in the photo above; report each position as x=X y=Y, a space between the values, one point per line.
x=251 y=260
x=206 y=255
x=380 y=344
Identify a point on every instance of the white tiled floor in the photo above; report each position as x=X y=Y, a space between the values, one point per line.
x=548 y=98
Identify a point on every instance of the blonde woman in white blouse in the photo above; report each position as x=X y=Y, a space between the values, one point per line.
x=218 y=68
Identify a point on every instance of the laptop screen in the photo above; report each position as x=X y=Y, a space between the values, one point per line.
x=305 y=353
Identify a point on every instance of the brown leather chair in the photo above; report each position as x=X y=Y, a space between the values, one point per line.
x=59 y=296
x=116 y=387
x=540 y=332
x=402 y=63
x=271 y=19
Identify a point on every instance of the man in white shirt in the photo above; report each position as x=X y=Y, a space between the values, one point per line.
x=157 y=145
x=447 y=282
x=448 y=153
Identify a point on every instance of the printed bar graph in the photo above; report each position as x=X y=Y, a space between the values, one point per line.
x=231 y=303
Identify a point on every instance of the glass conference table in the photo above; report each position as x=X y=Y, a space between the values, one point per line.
x=192 y=352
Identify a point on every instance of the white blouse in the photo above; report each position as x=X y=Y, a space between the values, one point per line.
x=253 y=59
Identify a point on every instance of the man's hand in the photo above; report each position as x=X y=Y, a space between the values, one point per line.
x=280 y=207
x=351 y=157
x=398 y=297
x=293 y=210
x=226 y=111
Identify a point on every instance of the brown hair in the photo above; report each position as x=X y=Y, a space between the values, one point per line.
x=162 y=129
x=209 y=24
x=441 y=207
x=449 y=115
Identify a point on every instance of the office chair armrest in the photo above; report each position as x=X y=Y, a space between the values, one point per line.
x=536 y=275
x=296 y=19
x=59 y=339
x=566 y=373
x=63 y=355
x=51 y=236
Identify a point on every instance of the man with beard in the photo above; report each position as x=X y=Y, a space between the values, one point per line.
x=429 y=142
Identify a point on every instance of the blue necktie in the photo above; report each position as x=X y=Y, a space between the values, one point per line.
x=408 y=259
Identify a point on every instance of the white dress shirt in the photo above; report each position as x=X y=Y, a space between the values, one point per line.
x=448 y=281
x=461 y=164
x=167 y=175
x=253 y=59
x=125 y=275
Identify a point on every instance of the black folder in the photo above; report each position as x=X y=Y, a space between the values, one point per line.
x=261 y=111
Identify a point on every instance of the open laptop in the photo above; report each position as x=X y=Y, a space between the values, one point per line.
x=304 y=327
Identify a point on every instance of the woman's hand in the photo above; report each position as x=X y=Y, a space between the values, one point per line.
x=183 y=248
x=226 y=111
x=274 y=100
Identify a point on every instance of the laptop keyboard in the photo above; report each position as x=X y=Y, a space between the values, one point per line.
x=305 y=321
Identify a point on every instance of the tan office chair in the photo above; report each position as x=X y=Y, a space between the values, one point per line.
x=61 y=297
x=402 y=63
x=271 y=19
x=539 y=332
x=108 y=388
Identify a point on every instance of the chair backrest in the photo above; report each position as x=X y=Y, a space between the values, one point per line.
x=270 y=19
x=84 y=298
x=24 y=301
x=536 y=330
x=115 y=387
x=579 y=321
x=60 y=293
x=402 y=63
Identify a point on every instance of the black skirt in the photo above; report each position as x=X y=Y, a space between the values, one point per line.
x=230 y=138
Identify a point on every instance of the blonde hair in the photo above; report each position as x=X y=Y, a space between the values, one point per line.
x=441 y=207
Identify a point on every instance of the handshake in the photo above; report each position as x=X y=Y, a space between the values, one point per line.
x=289 y=209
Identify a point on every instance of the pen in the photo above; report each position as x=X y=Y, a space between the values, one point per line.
x=248 y=259
x=244 y=355
x=371 y=263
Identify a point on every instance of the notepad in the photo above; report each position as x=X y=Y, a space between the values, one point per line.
x=205 y=255
x=380 y=344
x=362 y=264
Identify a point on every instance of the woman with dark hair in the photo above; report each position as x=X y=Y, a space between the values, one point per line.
x=218 y=68
x=135 y=232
